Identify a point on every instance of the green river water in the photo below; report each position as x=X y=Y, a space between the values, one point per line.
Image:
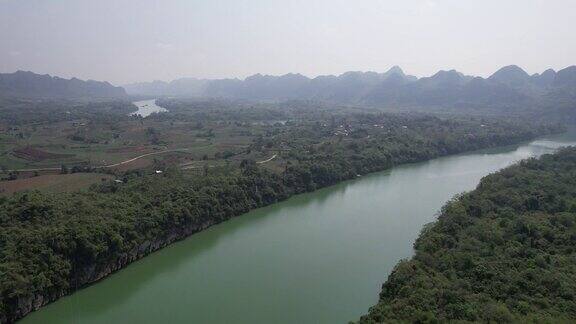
x=315 y=258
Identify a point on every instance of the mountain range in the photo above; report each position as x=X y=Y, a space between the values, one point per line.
x=32 y=85
x=510 y=86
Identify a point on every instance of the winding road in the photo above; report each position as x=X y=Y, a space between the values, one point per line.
x=124 y=162
x=103 y=166
x=268 y=160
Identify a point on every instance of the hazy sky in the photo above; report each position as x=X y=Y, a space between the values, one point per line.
x=140 y=40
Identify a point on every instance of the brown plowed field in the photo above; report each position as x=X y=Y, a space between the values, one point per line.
x=32 y=154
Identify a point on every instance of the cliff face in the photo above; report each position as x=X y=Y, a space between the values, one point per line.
x=95 y=272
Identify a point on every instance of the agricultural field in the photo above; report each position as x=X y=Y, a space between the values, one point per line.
x=54 y=182
x=100 y=142
x=201 y=137
x=113 y=142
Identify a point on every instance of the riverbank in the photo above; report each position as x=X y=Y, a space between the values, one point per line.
x=269 y=187
x=503 y=252
x=323 y=254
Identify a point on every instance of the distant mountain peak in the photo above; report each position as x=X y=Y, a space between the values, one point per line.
x=510 y=69
x=566 y=77
x=545 y=79
x=255 y=76
x=511 y=75
x=394 y=70
x=444 y=78
x=23 y=72
x=30 y=84
x=447 y=74
x=294 y=76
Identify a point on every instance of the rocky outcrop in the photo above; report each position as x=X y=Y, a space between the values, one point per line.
x=96 y=272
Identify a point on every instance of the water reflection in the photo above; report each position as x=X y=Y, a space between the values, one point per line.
x=147 y=107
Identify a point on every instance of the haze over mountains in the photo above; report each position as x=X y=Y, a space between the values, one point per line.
x=32 y=85
x=509 y=86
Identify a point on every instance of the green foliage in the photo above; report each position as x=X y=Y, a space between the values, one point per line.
x=15 y=112
x=52 y=244
x=505 y=252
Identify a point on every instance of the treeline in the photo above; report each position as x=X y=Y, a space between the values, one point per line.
x=249 y=111
x=221 y=109
x=505 y=252
x=361 y=143
x=18 y=112
x=52 y=244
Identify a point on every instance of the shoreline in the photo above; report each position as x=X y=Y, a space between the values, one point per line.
x=94 y=273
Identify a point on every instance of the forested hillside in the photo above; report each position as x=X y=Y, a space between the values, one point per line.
x=505 y=252
x=23 y=84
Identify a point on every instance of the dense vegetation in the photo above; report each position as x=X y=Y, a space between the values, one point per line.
x=505 y=252
x=51 y=244
x=18 y=111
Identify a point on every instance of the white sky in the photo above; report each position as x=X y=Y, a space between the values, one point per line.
x=141 y=40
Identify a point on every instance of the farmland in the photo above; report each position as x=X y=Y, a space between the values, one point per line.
x=196 y=136
x=90 y=136
x=53 y=182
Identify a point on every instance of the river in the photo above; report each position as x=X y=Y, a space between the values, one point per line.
x=315 y=258
x=147 y=107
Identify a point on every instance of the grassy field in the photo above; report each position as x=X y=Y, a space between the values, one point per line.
x=99 y=144
x=196 y=137
x=34 y=152
x=53 y=182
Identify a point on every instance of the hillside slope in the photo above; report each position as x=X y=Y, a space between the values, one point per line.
x=32 y=85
